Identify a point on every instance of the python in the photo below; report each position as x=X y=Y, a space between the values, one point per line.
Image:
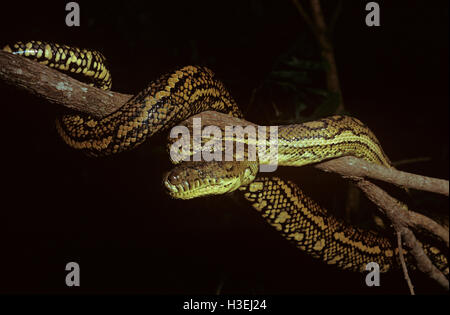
x=180 y=94
x=215 y=143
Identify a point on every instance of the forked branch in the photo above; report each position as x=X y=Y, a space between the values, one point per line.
x=63 y=90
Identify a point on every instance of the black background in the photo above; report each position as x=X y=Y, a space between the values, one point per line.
x=112 y=215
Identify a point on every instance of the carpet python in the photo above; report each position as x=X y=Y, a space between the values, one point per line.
x=179 y=94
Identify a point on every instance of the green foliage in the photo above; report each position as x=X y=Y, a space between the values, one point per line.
x=295 y=85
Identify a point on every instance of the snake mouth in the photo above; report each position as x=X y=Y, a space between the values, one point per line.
x=197 y=188
x=197 y=179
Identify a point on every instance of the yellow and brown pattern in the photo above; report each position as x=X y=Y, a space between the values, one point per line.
x=190 y=90
x=86 y=63
x=164 y=102
x=313 y=230
x=328 y=138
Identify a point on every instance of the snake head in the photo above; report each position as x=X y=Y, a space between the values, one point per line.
x=197 y=179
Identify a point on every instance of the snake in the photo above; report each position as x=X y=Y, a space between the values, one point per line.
x=184 y=92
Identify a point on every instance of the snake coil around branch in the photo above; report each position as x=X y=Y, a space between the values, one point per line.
x=127 y=122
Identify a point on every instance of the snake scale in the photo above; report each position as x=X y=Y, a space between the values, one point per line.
x=179 y=94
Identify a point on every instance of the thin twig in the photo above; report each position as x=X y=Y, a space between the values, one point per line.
x=220 y=285
x=252 y=98
x=424 y=263
x=318 y=16
x=305 y=16
x=410 y=161
x=395 y=211
x=402 y=261
x=327 y=52
x=334 y=17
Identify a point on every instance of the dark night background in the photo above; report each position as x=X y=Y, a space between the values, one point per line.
x=112 y=215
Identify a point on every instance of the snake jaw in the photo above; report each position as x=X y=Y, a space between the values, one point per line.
x=196 y=179
x=197 y=188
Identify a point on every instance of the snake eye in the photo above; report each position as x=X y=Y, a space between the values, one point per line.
x=174 y=178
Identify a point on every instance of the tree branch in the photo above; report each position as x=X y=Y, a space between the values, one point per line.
x=335 y=16
x=358 y=170
x=63 y=90
x=56 y=87
x=411 y=161
x=353 y=167
x=400 y=219
x=305 y=16
x=347 y=166
x=321 y=32
x=402 y=261
x=424 y=263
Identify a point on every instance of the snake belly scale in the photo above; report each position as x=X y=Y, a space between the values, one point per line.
x=177 y=95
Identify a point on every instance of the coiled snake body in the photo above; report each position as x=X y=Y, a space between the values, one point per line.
x=190 y=90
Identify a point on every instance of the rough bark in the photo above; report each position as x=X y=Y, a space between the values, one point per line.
x=56 y=87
